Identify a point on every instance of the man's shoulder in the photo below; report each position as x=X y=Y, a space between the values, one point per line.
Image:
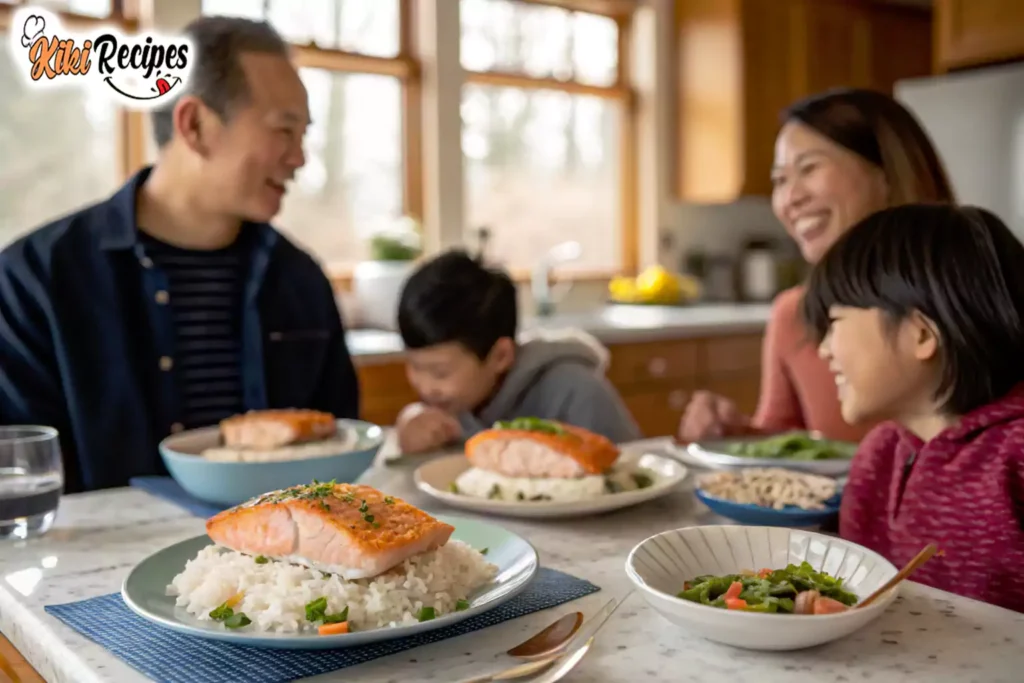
x=66 y=236
x=292 y=260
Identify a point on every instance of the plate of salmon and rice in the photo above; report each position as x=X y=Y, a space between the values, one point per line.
x=328 y=565
x=529 y=467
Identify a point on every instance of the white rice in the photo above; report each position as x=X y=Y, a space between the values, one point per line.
x=275 y=594
x=480 y=483
x=343 y=442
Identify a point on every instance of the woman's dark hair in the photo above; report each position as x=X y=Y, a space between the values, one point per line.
x=880 y=130
x=961 y=267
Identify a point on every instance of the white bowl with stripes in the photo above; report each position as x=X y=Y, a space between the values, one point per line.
x=659 y=565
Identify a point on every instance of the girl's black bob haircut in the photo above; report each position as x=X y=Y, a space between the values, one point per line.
x=959 y=266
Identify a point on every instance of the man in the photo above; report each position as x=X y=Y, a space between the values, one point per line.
x=174 y=304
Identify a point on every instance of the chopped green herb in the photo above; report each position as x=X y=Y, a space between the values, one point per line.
x=531 y=424
x=368 y=518
x=520 y=495
x=337 y=618
x=348 y=498
x=453 y=488
x=317 y=491
x=461 y=605
x=388 y=500
x=237 y=620
x=612 y=486
x=495 y=492
x=484 y=551
x=642 y=480
x=316 y=609
x=426 y=614
x=222 y=612
x=363 y=507
x=261 y=560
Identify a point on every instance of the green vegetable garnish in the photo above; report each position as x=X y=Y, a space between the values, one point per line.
x=316 y=609
x=336 y=618
x=531 y=424
x=495 y=492
x=776 y=592
x=453 y=488
x=426 y=614
x=222 y=612
x=642 y=480
x=484 y=551
x=461 y=605
x=261 y=560
x=793 y=446
x=388 y=500
x=237 y=620
x=317 y=491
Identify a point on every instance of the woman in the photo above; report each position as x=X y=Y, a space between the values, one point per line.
x=840 y=156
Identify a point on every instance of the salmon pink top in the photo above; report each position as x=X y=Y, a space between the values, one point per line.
x=797 y=389
x=963 y=490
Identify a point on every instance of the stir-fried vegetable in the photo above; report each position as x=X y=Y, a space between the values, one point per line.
x=793 y=446
x=769 y=590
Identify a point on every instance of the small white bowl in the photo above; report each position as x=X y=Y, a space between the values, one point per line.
x=659 y=565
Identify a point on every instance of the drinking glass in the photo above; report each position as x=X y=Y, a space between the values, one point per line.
x=31 y=480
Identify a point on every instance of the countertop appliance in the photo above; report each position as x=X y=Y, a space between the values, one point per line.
x=976 y=120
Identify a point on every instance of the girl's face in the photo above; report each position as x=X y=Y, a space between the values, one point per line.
x=882 y=371
x=821 y=189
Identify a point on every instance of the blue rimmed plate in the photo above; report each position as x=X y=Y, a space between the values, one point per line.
x=144 y=591
x=759 y=515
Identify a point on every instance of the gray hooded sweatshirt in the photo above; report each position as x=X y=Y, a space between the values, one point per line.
x=558 y=376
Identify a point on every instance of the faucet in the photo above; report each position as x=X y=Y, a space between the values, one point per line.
x=544 y=298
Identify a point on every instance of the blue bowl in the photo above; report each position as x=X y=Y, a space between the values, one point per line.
x=232 y=483
x=757 y=515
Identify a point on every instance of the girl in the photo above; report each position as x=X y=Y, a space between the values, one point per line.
x=919 y=314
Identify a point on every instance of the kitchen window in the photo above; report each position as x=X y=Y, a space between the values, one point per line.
x=547 y=131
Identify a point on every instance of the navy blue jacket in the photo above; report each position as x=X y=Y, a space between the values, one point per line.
x=84 y=342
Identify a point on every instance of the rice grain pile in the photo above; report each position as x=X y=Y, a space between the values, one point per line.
x=275 y=594
x=771 y=487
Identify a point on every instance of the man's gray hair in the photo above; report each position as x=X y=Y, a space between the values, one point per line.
x=217 y=77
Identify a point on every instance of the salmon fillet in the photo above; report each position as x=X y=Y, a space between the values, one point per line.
x=266 y=430
x=551 y=450
x=352 y=530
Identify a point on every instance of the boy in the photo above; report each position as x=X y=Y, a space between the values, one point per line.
x=458 y=321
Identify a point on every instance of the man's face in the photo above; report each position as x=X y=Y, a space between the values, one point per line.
x=258 y=150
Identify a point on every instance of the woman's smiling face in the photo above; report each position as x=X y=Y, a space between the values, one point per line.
x=821 y=189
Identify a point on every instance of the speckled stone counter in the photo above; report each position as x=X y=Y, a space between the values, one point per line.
x=927 y=635
x=613 y=324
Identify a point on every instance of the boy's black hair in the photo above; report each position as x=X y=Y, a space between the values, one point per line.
x=454 y=298
x=959 y=266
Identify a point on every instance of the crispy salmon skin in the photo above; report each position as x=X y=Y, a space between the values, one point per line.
x=266 y=430
x=348 y=529
x=534 y=448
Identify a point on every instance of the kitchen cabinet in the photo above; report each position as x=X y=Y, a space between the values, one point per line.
x=970 y=33
x=740 y=62
x=655 y=379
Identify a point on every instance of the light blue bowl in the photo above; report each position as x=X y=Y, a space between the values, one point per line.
x=757 y=515
x=232 y=483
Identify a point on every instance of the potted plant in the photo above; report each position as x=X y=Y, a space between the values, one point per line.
x=377 y=283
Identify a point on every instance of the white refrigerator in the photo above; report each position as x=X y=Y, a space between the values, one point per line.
x=976 y=119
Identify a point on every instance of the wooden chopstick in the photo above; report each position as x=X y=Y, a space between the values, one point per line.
x=926 y=554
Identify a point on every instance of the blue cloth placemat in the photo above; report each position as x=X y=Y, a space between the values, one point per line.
x=171 y=491
x=170 y=657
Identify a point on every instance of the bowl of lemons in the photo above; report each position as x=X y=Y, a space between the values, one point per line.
x=655 y=286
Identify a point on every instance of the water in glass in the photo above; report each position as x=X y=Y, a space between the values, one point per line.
x=31 y=480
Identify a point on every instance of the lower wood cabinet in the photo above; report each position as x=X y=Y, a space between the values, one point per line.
x=655 y=379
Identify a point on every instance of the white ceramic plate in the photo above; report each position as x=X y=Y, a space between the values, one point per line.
x=434 y=478
x=659 y=566
x=144 y=592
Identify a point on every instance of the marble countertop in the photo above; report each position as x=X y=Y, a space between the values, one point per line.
x=613 y=324
x=925 y=635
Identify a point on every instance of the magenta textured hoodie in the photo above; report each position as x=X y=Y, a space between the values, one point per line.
x=963 y=490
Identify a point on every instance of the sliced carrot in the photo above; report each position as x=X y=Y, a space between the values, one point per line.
x=235 y=599
x=735 y=588
x=333 y=629
x=735 y=603
x=825 y=605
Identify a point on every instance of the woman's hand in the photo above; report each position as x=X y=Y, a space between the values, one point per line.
x=711 y=416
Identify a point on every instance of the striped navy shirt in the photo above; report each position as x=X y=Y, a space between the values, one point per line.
x=205 y=296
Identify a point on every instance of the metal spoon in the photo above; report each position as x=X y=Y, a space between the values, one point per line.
x=550 y=640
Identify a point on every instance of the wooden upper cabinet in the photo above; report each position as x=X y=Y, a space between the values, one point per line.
x=740 y=62
x=977 y=32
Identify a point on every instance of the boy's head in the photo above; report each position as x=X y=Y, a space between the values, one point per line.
x=919 y=311
x=458 y=321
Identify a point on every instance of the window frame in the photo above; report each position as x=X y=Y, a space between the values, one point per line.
x=621 y=91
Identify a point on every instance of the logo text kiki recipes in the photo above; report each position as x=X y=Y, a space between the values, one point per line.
x=141 y=71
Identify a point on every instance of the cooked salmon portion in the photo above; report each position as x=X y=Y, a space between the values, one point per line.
x=552 y=450
x=266 y=430
x=352 y=530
